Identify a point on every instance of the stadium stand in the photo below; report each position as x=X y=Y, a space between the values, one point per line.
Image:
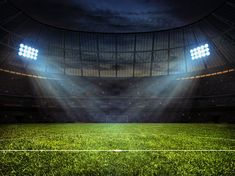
x=213 y=99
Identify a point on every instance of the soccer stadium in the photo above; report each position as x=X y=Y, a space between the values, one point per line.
x=135 y=87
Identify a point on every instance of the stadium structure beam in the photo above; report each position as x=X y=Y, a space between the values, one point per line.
x=39 y=34
x=196 y=39
x=116 y=57
x=222 y=19
x=64 y=52
x=152 y=54
x=230 y=4
x=7 y=45
x=80 y=53
x=10 y=32
x=10 y=18
x=6 y=37
x=134 y=59
x=9 y=58
x=185 y=56
x=168 y=53
x=98 y=53
x=226 y=22
x=46 y=60
x=146 y=51
x=3 y=61
x=28 y=36
x=215 y=47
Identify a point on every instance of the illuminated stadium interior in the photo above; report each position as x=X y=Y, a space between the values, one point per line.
x=177 y=66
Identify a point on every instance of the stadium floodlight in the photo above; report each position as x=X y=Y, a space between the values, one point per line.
x=28 y=52
x=200 y=52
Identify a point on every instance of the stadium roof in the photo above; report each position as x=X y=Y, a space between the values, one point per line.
x=117 y=16
x=135 y=54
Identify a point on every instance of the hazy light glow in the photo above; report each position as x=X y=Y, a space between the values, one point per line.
x=28 y=52
x=200 y=52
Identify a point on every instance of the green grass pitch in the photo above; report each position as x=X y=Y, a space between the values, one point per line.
x=117 y=149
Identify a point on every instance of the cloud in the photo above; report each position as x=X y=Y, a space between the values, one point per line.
x=117 y=15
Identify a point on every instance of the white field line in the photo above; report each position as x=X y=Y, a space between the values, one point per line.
x=117 y=150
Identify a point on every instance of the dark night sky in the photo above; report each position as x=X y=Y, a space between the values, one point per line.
x=118 y=15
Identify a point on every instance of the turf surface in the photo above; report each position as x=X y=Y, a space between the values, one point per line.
x=97 y=149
